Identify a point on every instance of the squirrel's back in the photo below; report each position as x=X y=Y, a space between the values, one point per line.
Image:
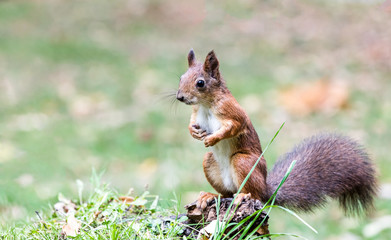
x=328 y=165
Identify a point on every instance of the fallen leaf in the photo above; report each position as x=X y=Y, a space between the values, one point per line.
x=319 y=96
x=126 y=199
x=207 y=232
x=72 y=226
x=64 y=206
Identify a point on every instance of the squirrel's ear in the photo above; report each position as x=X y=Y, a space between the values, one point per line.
x=211 y=65
x=191 y=59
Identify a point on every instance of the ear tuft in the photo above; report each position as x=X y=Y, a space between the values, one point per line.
x=191 y=59
x=211 y=65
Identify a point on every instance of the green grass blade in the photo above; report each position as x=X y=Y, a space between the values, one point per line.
x=297 y=216
x=252 y=170
x=272 y=198
x=283 y=235
x=259 y=159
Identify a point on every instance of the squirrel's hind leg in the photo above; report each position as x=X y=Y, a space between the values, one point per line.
x=256 y=184
x=213 y=174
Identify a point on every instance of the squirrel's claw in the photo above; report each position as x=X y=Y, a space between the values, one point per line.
x=241 y=197
x=210 y=141
x=204 y=199
x=197 y=133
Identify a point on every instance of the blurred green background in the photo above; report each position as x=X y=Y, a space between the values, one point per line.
x=83 y=86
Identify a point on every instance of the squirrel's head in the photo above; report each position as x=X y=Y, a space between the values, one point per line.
x=199 y=83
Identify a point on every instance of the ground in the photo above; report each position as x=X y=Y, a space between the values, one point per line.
x=84 y=83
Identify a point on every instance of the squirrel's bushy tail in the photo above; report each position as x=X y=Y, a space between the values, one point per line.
x=328 y=165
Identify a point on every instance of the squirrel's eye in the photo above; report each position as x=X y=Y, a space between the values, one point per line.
x=200 y=83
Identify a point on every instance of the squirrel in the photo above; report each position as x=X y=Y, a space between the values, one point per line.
x=328 y=165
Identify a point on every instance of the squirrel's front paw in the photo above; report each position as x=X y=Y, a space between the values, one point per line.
x=204 y=199
x=241 y=197
x=197 y=132
x=210 y=141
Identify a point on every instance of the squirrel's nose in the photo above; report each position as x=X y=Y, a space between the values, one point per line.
x=179 y=96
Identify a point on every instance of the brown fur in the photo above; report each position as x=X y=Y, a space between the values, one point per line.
x=327 y=166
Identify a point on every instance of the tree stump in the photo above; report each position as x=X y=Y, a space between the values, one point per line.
x=198 y=219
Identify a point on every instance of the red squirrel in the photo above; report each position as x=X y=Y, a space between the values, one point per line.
x=328 y=165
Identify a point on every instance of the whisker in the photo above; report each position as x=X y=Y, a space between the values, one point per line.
x=174 y=105
x=175 y=74
x=167 y=95
x=170 y=96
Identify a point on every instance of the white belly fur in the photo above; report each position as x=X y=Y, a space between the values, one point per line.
x=222 y=150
